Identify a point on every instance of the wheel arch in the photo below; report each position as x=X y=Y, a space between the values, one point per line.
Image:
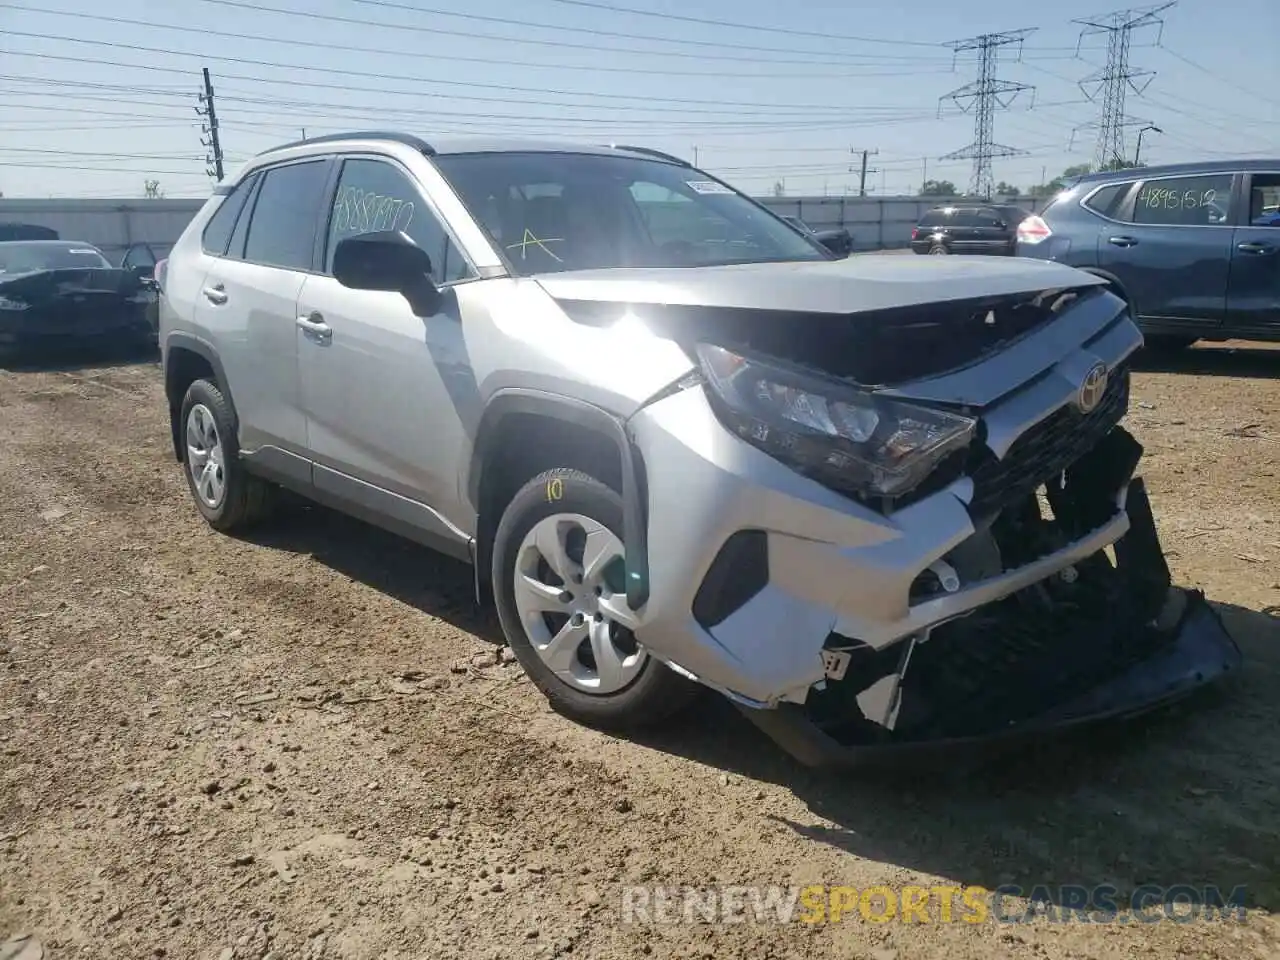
x=186 y=359
x=523 y=432
x=1114 y=282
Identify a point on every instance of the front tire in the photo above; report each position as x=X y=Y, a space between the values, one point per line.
x=226 y=494
x=560 y=591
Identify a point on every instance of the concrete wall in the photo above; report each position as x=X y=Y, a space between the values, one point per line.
x=110 y=225
x=876 y=223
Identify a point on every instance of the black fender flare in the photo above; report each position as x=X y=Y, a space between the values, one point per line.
x=580 y=413
x=178 y=340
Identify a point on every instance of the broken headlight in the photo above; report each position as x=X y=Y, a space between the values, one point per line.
x=840 y=435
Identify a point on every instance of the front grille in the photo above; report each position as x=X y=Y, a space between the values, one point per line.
x=1044 y=451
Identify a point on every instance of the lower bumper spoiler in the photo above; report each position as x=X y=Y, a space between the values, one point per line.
x=1201 y=652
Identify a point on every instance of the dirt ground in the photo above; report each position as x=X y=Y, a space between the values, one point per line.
x=303 y=745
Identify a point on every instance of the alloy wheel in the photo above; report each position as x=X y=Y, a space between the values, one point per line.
x=570 y=593
x=204 y=457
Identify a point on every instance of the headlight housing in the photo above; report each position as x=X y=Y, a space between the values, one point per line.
x=850 y=439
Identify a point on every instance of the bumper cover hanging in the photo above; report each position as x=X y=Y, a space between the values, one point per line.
x=1026 y=668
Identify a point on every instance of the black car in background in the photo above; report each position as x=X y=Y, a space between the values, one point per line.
x=66 y=292
x=974 y=228
x=836 y=239
x=1193 y=248
x=26 y=231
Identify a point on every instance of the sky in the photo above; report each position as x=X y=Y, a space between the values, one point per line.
x=97 y=99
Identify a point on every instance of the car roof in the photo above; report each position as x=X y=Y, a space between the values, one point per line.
x=84 y=244
x=452 y=146
x=1209 y=166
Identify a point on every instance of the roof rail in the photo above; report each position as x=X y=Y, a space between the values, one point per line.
x=417 y=143
x=650 y=152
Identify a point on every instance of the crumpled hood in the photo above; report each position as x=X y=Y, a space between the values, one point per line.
x=859 y=283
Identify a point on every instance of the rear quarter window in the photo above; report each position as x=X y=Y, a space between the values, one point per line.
x=217 y=232
x=933 y=218
x=1108 y=200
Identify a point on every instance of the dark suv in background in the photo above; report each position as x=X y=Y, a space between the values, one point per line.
x=1193 y=248
x=968 y=228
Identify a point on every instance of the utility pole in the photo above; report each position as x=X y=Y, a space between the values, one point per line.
x=1137 y=154
x=984 y=96
x=1112 y=83
x=209 y=129
x=695 y=154
x=864 y=170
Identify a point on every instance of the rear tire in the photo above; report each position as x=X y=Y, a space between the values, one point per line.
x=939 y=250
x=575 y=647
x=226 y=494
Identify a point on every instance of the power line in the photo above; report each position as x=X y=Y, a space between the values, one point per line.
x=1216 y=76
x=104 y=155
x=985 y=95
x=418 y=80
x=649 y=38
x=511 y=122
x=1117 y=78
x=506 y=61
x=436 y=31
x=636 y=11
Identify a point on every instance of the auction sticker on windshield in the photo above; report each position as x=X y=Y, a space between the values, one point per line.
x=707 y=186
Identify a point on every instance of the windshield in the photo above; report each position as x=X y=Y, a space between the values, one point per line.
x=551 y=212
x=28 y=257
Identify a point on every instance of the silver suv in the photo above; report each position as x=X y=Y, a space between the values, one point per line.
x=875 y=501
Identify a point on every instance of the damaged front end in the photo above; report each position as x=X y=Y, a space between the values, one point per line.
x=1105 y=637
x=1001 y=579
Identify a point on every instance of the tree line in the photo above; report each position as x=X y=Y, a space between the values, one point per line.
x=945 y=188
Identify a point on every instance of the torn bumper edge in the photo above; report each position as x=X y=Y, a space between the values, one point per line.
x=1202 y=653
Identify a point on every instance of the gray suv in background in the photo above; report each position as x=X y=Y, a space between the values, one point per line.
x=1194 y=249
x=682 y=444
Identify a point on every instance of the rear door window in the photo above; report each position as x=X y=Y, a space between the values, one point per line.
x=282 y=228
x=1197 y=201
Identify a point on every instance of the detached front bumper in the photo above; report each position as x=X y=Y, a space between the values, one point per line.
x=1196 y=653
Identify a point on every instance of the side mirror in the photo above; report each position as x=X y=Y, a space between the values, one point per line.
x=388 y=261
x=143 y=271
x=838 y=242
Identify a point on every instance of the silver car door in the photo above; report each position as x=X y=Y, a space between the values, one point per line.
x=385 y=391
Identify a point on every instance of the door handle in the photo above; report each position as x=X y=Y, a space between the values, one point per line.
x=1123 y=241
x=215 y=294
x=314 y=328
x=1256 y=247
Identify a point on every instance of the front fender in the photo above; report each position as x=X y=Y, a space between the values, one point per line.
x=516 y=400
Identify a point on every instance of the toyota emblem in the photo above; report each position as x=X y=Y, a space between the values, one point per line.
x=1092 y=388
